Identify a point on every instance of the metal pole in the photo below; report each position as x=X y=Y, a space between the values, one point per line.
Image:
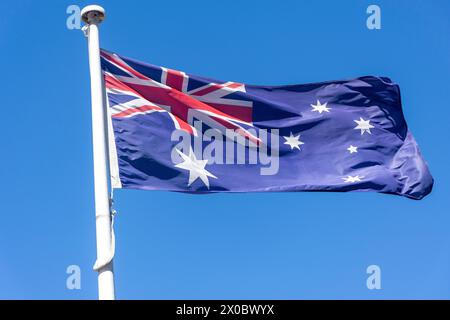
x=93 y=15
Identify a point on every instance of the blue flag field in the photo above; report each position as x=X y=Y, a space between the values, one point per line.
x=179 y=132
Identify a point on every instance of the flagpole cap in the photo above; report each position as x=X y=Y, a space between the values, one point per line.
x=93 y=14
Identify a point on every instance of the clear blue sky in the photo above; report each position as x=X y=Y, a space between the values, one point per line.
x=171 y=245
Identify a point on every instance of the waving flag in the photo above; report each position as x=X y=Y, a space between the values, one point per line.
x=175 y=131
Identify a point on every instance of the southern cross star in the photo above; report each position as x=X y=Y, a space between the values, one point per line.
x=351 y=179
x=352 y=149
x=293 y=141
x=195 y=167
x=320 y=107
x=363 y=125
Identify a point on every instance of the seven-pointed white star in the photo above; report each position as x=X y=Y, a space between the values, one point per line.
x=195 y=167
x=294 y=141
x=351 y=179
x=320 y=107
x=363 y=125
x=352 y=149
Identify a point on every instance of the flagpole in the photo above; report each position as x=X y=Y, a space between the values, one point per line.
x=93 y=15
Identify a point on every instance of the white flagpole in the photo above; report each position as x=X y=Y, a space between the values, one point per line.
x=93 y=15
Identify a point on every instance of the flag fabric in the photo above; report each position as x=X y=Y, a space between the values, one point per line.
x=170 y=130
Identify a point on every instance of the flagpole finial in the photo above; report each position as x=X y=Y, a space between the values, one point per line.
x=93 y=14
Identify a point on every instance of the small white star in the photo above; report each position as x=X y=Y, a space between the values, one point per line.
x=363 y=125
x=294 y=141
x=320 y=107
x=351 y=179
x=352 y=149
x=195 y=167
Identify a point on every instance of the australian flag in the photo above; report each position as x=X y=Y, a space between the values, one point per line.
x=170 y=130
